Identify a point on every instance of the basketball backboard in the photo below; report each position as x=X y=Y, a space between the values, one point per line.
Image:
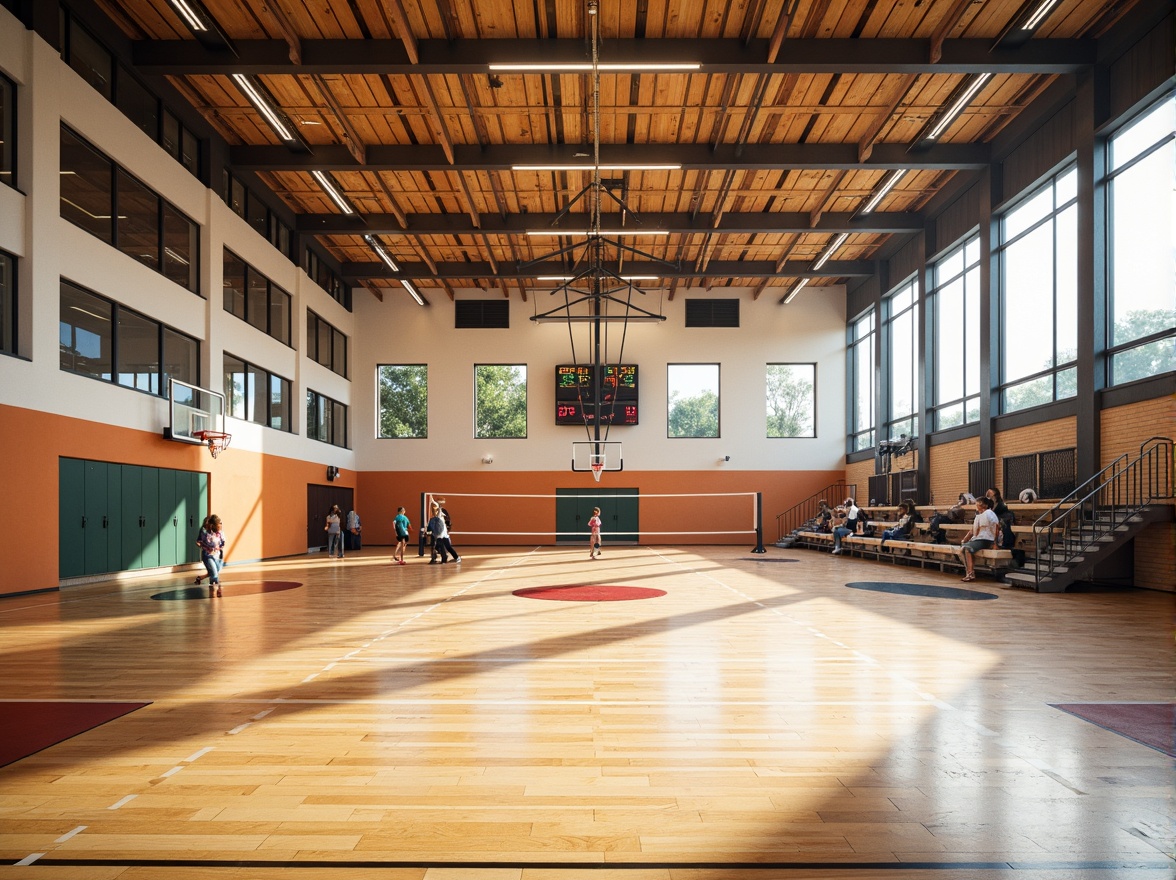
x=192 y=410
x=605 y=454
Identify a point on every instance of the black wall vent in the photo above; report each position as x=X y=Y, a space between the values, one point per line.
x=481 y=313
x=712 y=313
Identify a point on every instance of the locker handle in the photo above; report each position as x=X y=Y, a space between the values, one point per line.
x=83 y=522
x=175 y=521
x=104 y=520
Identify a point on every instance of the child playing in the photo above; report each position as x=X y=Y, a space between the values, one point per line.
x=402 y=526
x=594 y=541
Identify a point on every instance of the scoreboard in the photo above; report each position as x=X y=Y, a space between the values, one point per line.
x=575 y=394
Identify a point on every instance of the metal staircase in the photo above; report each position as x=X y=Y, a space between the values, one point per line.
x=796 y=516
x=1099 y=516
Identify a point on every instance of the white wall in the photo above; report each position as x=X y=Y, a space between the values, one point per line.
x=810 y=329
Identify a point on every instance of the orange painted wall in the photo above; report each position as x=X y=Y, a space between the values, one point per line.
x=262 y=499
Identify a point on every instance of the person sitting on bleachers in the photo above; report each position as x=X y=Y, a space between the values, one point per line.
x=849 y=513
x=907 y=521
x=982 y=536
x=955 y=516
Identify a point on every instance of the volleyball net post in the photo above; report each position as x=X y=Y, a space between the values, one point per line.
x=759 y=524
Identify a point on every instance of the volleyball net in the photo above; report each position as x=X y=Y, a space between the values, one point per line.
x=627 y=516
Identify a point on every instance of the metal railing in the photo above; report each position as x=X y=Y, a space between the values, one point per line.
x=1103 y=503
x=794 y=517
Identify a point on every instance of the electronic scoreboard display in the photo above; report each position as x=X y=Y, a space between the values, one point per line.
x=575 y=394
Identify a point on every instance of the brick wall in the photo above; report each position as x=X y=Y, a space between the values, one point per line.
x=1043 y=437
x=860 y=473
x=949 y=469
x=1124 y=428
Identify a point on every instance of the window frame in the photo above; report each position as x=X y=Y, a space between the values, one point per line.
x=8 y=132
x=813 y=401
x=894 y=422
x=718 y=385
x=9 y=301
x=329 y=414
x=861 y=437
x=252 y=394
x=423 y=417
x=477 y=403
x=970 y=309
x=265 y=321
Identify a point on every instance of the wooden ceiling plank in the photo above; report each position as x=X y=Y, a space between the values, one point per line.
x=403 y=29
x=289 y=34
x=866 y=144
x=945 y=26
x=354 y=144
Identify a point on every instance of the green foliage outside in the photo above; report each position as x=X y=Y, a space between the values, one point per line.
x=404 y=400
x=696 y=416
x=790 y=401
x=501 y=401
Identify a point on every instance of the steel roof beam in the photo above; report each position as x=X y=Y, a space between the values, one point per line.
x=508 y=269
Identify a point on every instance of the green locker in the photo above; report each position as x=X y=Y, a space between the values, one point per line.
x=619 y=516
x=200 y=483
x=71 y=512
x=96 y=518
x=168 y=517
x=187 y=505
x=150 y=513
x=115 y=525
x=132 y=516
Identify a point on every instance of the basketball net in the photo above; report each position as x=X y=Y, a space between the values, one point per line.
x=597 y=465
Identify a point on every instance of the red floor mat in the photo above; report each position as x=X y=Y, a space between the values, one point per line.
x=26 y=728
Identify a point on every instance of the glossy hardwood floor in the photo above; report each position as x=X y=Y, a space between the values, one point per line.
x=759 y=721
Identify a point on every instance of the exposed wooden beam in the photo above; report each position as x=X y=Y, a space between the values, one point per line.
x=834 y=184
x=396 y=212
x=372 y=289
x=866 y=144
x=289 y=34
x=722 y=269
x=354 y=144
x=400 y=20
x=949 y=21
x=430 y=101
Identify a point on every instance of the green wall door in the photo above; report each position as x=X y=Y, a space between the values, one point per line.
x=618 y=515
x=168 y=517
x=132 y=516
x=97 y=517
x=71 y=512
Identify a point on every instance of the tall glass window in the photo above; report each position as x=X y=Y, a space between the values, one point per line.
x=860 y=373
x=403 y=391
x=791 y=400
x=87 y=187
x=254 y=298
x=325 y=344
x=138 y=222
x=326 y=419
x=1141 y=332
x=256 y=395
x=104 y=340
x=955 y=307
x=500 y=400
x=7 y=303
x=7 y=131
x=1039 y=296
x=693 y=400
x=901 y=326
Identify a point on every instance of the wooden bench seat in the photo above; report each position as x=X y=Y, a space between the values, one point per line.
x=922 y=553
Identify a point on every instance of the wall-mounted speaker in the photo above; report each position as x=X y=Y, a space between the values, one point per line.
x=332 y=473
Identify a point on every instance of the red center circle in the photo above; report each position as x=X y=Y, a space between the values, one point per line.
x=590 y=593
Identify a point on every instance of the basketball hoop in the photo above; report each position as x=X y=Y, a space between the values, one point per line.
x=597 y=465
x=217 y=441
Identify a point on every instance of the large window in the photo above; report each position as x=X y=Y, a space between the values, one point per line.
x=955 y=307
x=7 y=303
x=792 y=400
x=7 y=131
x=500 y=400
x=693 y=400
x=320 y=273
x=325 y=344
x=901 y=328
x=326 y=419
x=1142 y=255
x=102 y=198
x=254 y=298
x=860 y=373
x=104 y=340
x=1039 y=296
x=257 y=214
x=256 y=395
x=403 y=401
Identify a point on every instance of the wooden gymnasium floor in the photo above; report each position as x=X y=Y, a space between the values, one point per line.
x=760 y=721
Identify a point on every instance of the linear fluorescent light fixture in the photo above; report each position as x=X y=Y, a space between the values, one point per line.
x=592 y=234
x=572 y=277
x=412 y=291
x=1038 y=15
x=833 y=245
x=795 y=290
x=375 y=245
x=887 y=186
x=188 y=14
x=650 y=167
x=957 y=108
x=331 y=189
x=586 y=66
x=263 y=106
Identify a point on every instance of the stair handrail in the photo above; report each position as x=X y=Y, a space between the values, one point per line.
x=1110 y=504
x=798 y=514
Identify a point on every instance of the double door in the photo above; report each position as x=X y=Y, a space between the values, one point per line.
x=121 y=517
x=618 y=514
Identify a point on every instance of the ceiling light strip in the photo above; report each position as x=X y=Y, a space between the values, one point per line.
x=586 y=67
x=601 y=232
x=582 y=167
x=412 y=291
x=887 y=186
x=960 y=103
x=263 y=106
x=1039 y=15
x=834 y=245
x=375 y=245
x=328 y=186
x=189 y=15
x=795 y=290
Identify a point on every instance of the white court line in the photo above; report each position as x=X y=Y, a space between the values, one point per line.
x=70 y=834
x=122 y=802
x=172 y=772
x=240 y=728
x=259 y=716
x=30 y=858
x=195 y=756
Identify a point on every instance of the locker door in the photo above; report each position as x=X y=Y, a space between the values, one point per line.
x=71 y=513
x=97 y=519
x=169 y=523
x=201 y=484
x=115 y=517
x=621 y=516
x=132 y=516
x=188 y=505
x=150 y=511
